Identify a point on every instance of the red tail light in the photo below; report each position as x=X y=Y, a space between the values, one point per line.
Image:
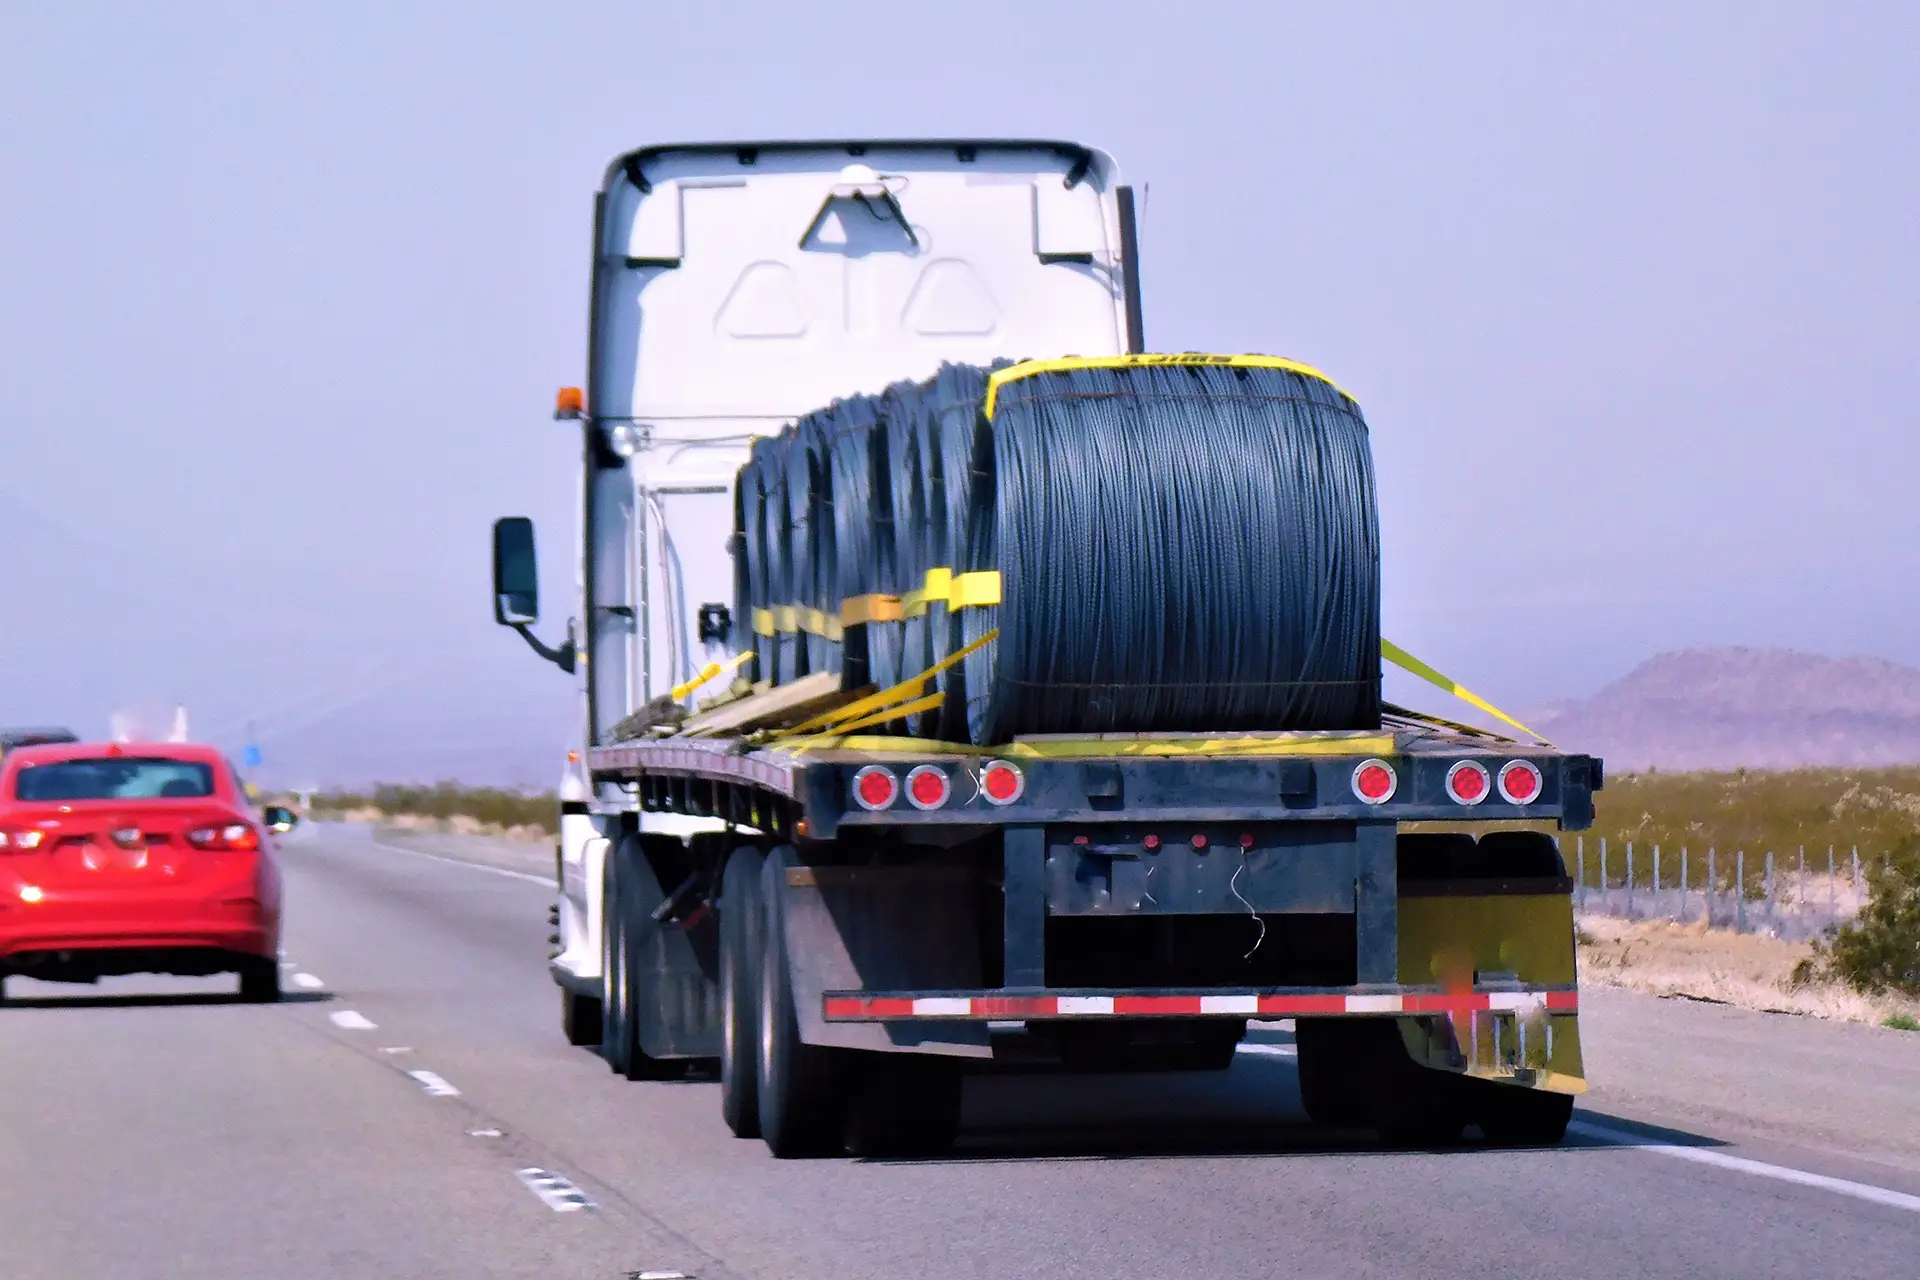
x=1002 y=783
x=875 y=787
x=1468 y=782
x=1519 y=782
x=235 y=837
x=1374 y=781
x=20 y=841
x=927 y=787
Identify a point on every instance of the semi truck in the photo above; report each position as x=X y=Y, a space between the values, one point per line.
x=845 y=922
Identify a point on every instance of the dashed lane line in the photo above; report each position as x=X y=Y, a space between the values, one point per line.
x=1755 y=1168
x=557 y=1193
x=435 y=1085
x=350 y=1020
x=307 y=982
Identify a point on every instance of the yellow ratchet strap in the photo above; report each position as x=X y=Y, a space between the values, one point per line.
x=763 y=622
x=938 y=586
x=870 y=608
x=1407 y=662
x=818 y=623
x=708 y=672
x=1029 y=368
x=974 y=589
x=908 y=688
x=784 y=620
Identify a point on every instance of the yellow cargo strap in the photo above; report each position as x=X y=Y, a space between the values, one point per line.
x=906 y=689
x=707 y=673
x=1407 y=662
x=871 y=608
x=938 y=586
x=1163 y=746
x=1029 y=368
x=784 y=619
x=970 y=589
x=763 y=622
x=817 y=623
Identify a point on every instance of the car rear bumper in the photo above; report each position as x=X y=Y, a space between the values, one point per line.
x=20 y=941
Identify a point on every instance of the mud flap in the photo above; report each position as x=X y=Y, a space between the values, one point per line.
x=676 y=962
x=1459 y=934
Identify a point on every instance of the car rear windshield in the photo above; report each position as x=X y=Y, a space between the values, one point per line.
x=117 y=778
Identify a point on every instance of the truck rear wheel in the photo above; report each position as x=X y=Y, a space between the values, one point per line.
x=740 y=945
x=1355 y=1073
x=580 y=1018
x=1332 y=1087
x=801 y=1105
x=903 y=1106
x=1515 y=1117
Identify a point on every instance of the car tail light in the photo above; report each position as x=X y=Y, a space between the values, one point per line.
x=1468 y=782
x=1519 y=782
x=1374 y=781
x=20 y=841
x=235 y=837
x=927 y=787
x=1002 y=783
x=875 y=787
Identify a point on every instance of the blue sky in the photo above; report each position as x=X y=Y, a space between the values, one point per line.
x=1629 y=292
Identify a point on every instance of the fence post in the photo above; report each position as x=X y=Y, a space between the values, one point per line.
x=1740 y=892
x=1656 y=877
x=1772 y=913
x=1603 y=876
x=1833 y=899
x=1580 y=871
x=1629 y=879
x=1856 y=872
x=1713 y=881
x=1685 y=881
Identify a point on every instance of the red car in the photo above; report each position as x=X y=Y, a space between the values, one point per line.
x=136 y=858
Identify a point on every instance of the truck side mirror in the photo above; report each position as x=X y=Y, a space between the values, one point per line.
x=516 y=576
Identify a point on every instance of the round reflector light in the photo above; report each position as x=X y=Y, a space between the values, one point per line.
x=1468 y=782
x=927 y=787
x=1519 y=782
x=1002 y=783
x=875 y=787
x=1374 y=781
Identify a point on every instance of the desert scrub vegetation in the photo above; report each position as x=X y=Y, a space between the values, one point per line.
x=492 y=807
x=1879 y=950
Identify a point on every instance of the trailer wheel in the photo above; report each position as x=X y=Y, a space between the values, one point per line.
x=1332 y=1085
x=802 y=1107
x=620 y=1041
x=903 y=1106
x=580 y=1018
x=1515 y=1117
x=740 y=934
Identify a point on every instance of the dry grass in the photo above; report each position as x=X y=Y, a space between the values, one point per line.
x=448 y=806
x=1751 y=971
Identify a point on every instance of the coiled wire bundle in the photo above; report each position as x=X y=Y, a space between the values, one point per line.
x=1182 y=547
x=1160 y=543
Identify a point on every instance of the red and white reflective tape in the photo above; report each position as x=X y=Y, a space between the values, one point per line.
x=886 y=1008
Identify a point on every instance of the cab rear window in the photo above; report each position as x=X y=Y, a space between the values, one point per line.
x=117 y=778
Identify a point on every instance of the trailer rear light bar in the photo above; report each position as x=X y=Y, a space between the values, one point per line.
x=1274 y=1002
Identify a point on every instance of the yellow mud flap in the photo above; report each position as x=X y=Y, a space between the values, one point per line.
x=1463 y=933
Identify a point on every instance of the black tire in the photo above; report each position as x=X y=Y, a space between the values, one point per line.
x=903 y=1106
x=260 y=980
x=3 y=988
x=580 y=1018
x=1356 y=1073
x=1332 y=1072
x=1510 y=1116
x=741 y=921
x=620 y=1035
x=801 y=1103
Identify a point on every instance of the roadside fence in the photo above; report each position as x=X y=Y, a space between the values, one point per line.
x=1794 y=896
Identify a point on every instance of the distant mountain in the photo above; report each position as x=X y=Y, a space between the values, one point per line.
x=1758 y=708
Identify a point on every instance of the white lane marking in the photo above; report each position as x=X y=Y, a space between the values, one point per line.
x=307 y=981
x=483 y=1133
x=559 y=1194
x=396 y=1048
x=658 y=1275
x=351 y=1020
x=1272 y=1050
x=434 y=1085
x=545 y=882
x=1740 y=1164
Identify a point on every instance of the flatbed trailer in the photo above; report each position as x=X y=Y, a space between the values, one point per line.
x=848 y=922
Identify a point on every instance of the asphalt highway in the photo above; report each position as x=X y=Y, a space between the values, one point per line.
x=411 y=1110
